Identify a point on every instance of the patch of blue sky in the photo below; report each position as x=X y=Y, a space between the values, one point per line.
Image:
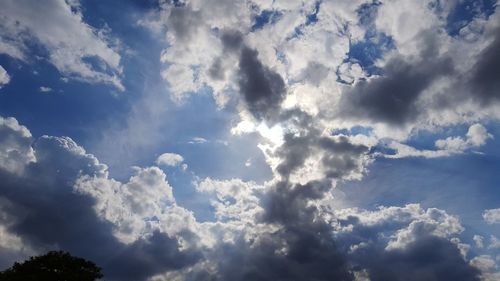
x=74 y=108
x=374 y=44
x=223 y=156
x=313 y=17
x=464 y=184
x=425 y=139
x=264 y=18
x=356 y=130
x=467 y=10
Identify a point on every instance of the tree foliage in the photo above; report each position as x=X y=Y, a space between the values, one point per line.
x=53 y=266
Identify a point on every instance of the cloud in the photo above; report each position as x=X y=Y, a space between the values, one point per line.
x=392 y=98
x=235 y=199
x=483 y=81
x=476 y=136
x=107 y=221
x=198 y=140
x=169 y=159
x=262 y=89
x=487 y=265
x=76 y=49
x=4 y=77
x=44 y=89
x=430 y=258
x=410 y=243
x=494 y=242
x=15 y=146
x=492 y=216
x=281 y=230
x=285 y=78
x=479 y=241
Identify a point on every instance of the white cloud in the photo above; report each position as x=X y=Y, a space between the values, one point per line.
x=69 y=41
x=403 y=150
x=138 y=207
x=483 y=262
x=4 y=77
x=494 y=242
x=477 y=135
x=44 y=89
x=197 y=140
x=492 y=216
x=479 y=241
x=401 y=225
x=15 y=145
x=235 y=199
x=169 y=159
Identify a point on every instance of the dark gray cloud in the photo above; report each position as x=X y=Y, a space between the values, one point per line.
x=340 y=156
x=263 y=89
x=302 y=249
x=429 y=258
x=232 y=40
x=485 y=76
x=146 y=257
x=301 y=252
x=391 y=98
x=419 y=255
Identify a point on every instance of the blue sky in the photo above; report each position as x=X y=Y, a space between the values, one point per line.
x=340 y=128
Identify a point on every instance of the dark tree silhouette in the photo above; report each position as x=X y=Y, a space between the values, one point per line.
x=53 y=266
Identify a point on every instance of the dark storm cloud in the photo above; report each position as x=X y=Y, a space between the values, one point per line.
x=340 y=155
x=300 y=252
x=263 y=89
x=485 y=75
x=429 y=258
x=302 y=249
x=45 y=212
x=146 y=257
x=391 y=98
x=424 y=257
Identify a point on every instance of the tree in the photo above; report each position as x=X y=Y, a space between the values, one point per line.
x=53 y=266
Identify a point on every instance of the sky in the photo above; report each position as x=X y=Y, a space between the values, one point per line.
x=251 y=139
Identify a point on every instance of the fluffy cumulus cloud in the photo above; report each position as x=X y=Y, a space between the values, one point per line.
x=411 y=243
x=323 y=113
x=54 y=194
x=492 y=216
x=76 y=49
